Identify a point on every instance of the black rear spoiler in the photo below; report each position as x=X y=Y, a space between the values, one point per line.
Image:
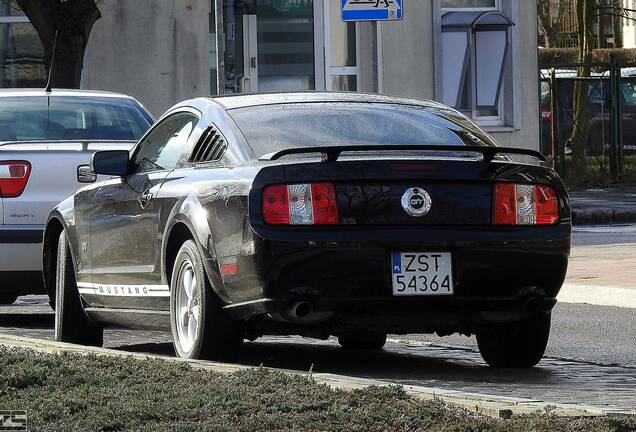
x=332 y=153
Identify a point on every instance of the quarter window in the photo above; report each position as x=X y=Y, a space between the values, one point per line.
x=165 y=146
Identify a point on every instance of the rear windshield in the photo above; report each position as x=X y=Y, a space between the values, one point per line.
x=277 y=127
x=71 y=118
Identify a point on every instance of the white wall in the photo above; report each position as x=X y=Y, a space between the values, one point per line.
x=154 y=50
x=407 y=52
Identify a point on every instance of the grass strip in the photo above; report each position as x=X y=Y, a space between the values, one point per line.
x=70 y=392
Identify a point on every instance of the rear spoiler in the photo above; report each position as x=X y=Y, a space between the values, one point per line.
x=332 y=153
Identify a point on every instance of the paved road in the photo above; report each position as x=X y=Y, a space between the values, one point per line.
x=595 y=334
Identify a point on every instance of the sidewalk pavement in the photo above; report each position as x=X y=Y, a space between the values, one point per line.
x=602 y=275
x=603 y=206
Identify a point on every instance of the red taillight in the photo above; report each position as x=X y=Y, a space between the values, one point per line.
x=505 y=204
x=13 y=178
x=522 y=204
x=300 y=204
x=276 y=205
x=323 y=200
x=547 y=205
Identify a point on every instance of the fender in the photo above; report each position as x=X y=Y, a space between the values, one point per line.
x=190 y=212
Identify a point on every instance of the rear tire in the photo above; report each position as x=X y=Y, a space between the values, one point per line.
x=71 y=323
x=363 y=341
x=201 y=328
x=8 y=299
x=515 y=345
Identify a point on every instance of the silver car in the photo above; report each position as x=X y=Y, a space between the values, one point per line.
x=46 y=142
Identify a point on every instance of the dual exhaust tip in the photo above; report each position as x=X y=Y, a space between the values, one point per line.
x=300 y=310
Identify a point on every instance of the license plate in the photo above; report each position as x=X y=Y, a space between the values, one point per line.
x=422 y=274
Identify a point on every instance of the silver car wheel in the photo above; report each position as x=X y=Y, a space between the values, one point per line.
x=188 y=309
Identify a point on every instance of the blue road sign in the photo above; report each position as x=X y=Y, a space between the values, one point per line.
x=371 y=10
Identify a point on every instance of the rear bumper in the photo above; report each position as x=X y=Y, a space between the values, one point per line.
x=20 y=248
x=500 y=274
x=408 y=315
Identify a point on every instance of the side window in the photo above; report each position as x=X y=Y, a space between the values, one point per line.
x=165 y=144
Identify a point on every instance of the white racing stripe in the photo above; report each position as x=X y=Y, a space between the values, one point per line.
x=120 y=290
x=598 y=295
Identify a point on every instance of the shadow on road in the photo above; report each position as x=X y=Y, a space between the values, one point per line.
x=30 y=321
x=390 y=364
x=422 y=365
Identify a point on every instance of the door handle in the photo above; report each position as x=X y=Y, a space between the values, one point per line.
x=144 y=199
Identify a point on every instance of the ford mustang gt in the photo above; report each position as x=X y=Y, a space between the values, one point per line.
x=314 y=214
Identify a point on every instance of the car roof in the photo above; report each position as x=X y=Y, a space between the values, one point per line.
x=59 y=92
x=246 y=100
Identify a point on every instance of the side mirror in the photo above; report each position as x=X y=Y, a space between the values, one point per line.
x=110 y=162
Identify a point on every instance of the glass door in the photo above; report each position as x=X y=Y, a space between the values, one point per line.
x=272 y=45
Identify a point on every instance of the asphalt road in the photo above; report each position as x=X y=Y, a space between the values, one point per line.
x=595 y=334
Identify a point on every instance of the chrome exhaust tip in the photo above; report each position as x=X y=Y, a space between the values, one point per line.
x=300 y=310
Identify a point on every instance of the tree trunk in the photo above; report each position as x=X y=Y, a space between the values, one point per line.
x=550 y=19
x=618 y=23
x=604 y=17
x=580 y=128
x=73 y=21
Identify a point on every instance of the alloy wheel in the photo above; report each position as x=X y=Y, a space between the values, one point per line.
x=188 y=309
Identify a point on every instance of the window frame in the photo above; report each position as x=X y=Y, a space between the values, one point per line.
x=135 y=151
x=497 y=6
x=509 y=113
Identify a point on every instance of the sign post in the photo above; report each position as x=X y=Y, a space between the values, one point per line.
x=372 y=10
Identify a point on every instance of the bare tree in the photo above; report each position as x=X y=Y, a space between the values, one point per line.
x=580 y=129
x=64 y=27
x=550 y=15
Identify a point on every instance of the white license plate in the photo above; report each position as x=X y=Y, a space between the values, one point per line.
x=422 y=273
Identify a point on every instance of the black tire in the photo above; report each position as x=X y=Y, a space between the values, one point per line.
x=216 y=336
x=515 y=345
x=363 y=341
x=8 y=299
x=71 y=323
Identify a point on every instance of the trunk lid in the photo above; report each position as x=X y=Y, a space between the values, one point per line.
x=387 y=202
x=371 y=192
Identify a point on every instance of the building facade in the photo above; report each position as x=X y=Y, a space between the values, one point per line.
x=477 y=55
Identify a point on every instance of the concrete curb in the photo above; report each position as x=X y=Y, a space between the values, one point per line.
x=602 y=216
x=489 y=405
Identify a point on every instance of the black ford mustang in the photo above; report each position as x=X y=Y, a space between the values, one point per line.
x=316 y=214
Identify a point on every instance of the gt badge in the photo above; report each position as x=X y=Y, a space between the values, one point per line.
x=416 y=202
